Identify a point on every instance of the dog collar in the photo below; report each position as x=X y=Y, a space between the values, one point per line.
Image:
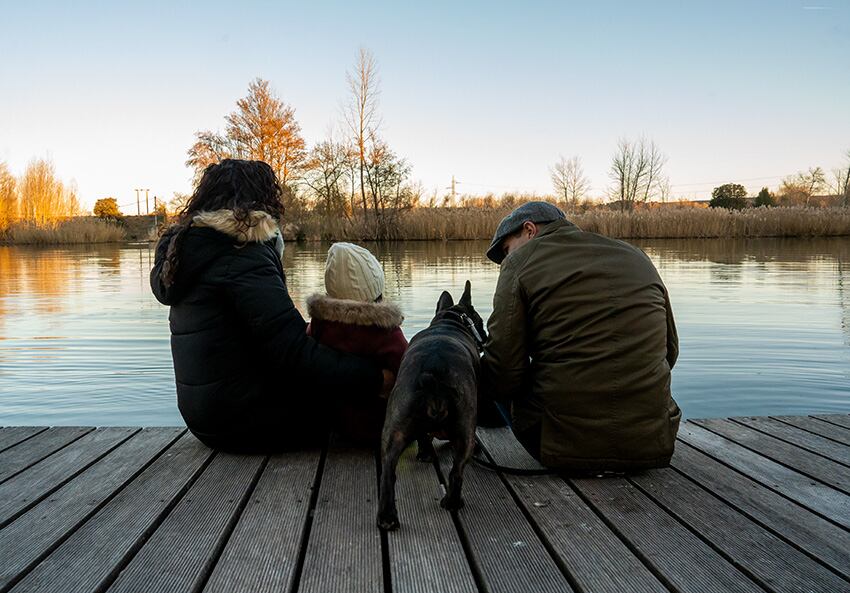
x=479 y=341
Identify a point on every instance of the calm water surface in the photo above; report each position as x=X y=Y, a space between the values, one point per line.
x=764 y=325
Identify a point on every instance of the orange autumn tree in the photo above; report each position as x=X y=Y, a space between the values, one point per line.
x=261 y=128
x=43 y=198
x=8 y=198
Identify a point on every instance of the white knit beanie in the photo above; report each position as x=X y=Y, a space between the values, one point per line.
x=353 y=273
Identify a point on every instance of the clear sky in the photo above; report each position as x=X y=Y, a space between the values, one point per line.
x=491 y=92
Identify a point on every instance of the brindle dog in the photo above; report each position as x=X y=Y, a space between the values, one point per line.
x=436 y=391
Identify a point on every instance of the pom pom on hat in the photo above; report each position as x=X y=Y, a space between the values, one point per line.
x=353 y=273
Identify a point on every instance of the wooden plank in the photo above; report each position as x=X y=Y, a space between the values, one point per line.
x=767 y=559
x=583 y=545
x=94 y=554
x=425 y=553
x=31 y=536
x=30 y=486
x=17 y=459
x=822 y=499
x=813 y=534
x=261 y=555
x=799 y=437
x=677 y=556
x=837 y=419
x=197 y=527
x=344 y=549
x=506 y=552
x=12 y=435
x=789 y=455
x=824 y=429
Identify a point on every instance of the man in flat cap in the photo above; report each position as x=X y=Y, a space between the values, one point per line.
x=581 y=344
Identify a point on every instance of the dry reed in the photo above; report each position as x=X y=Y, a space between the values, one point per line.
x=446 y=224
x=75 y=230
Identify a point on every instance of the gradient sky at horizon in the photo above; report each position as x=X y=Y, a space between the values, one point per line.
x=491 y=92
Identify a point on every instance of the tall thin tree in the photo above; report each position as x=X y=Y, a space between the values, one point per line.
x=361 y=113
x=569 y=180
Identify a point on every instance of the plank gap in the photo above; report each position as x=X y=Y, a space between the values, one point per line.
x=206 y=572
x=308 y=525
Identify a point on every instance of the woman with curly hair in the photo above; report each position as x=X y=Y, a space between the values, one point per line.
x=249 y=379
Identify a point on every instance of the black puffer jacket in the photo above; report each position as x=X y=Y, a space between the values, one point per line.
x=247 y=374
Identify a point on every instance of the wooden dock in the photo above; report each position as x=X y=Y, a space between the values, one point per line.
x=749 y=505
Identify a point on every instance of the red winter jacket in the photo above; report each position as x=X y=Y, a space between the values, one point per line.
x=370 y=330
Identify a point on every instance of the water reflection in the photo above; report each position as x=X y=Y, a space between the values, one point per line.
x=764 y=324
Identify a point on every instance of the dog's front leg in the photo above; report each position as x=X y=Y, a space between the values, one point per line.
x=392 y=449
x=462 y=446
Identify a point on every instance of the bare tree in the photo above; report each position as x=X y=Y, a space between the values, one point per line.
x=386 y=174
x=799 y=189
x=324 y=174
x=361 y=113
x=841 y=182
x=569 y=181
x=8 y=198
x=261 y=128
x=637 y=172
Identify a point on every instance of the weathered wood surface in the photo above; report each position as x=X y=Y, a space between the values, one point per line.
x=748 y=504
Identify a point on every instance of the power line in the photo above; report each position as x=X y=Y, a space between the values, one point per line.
x=602 y=189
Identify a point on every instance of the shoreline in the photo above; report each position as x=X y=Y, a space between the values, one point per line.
x=475 y=224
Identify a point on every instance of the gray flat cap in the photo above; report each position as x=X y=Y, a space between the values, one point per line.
x=536 y=212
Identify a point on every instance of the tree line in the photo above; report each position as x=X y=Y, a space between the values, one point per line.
x=637 y=176
x=795 y=190
x=351 y=173
x=37 y=197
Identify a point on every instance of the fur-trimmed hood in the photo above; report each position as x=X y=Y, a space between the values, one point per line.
x=211 y=235
x=384 y=314
x=259 y=226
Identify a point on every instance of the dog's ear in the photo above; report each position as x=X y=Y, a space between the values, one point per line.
x=445 y=301
x=466 y=298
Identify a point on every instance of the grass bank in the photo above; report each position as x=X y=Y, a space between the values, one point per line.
x=447 y=224
x=74 y=230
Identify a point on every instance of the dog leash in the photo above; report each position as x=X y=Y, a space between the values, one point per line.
x=479 y=341
x=514 y=471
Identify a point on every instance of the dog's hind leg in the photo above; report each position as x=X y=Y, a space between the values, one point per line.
x=462 y=447
x=425 y=448
x=392 y=448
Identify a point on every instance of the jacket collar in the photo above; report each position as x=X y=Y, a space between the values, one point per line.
x=553 y=226
x=257 y=228
x=384 y=314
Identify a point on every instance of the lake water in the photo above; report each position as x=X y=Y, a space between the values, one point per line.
x=764 y=325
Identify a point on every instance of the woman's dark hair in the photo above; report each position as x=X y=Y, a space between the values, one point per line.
x=232 y=184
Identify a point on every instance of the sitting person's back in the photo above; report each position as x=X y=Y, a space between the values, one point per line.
x=582 y=341
x=353 y=317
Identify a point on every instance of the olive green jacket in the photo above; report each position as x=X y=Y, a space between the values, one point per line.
x=581 y=343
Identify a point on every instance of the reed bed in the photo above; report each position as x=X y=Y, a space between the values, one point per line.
x=75 y=230
x=447 y=224
x=718 y=223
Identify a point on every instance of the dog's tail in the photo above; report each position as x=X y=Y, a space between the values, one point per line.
x=437 y=395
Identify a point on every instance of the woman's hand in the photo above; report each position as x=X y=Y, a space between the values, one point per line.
x=389 y=382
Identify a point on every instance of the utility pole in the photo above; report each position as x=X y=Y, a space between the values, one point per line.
x=138 y=206
x=452 y=187
x=147 y=204
x=155 y=214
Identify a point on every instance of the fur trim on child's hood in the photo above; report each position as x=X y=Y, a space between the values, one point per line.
x=383 y=314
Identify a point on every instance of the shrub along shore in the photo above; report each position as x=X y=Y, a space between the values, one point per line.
x=475 y=223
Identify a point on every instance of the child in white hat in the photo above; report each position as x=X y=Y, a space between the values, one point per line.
x=354 y=317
